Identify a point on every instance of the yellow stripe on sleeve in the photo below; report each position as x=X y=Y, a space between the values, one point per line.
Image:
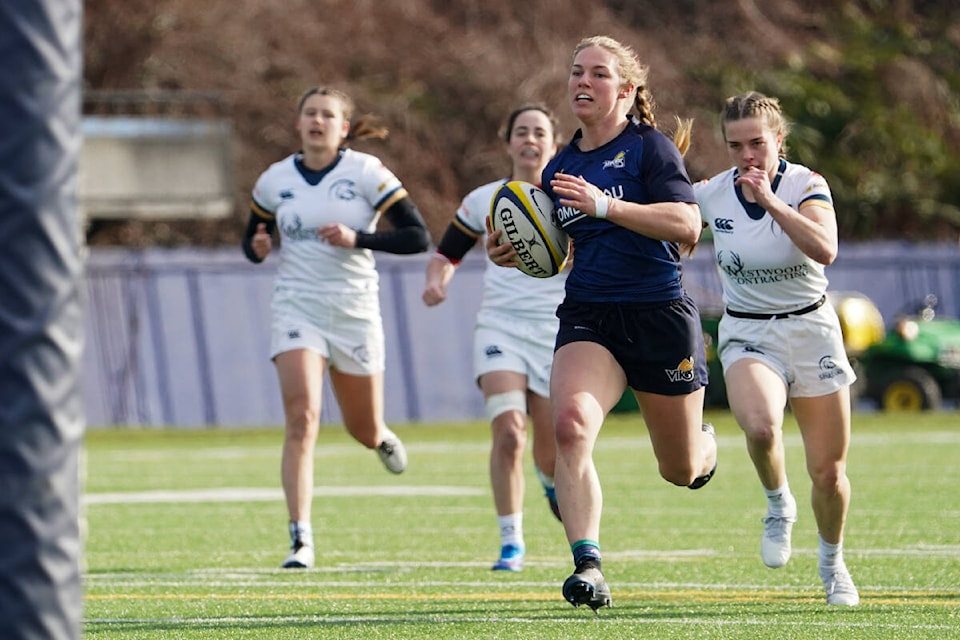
x=260 y=211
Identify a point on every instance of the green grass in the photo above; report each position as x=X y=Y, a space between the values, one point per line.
x=186 y=530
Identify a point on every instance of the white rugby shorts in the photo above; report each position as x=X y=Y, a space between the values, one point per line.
x=346 y=329
x=507 y=343
x=806 y=351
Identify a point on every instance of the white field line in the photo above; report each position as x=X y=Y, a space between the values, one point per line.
x=421 y=619
x=319 y=579
x=253 y=494
x=792 y=438
x=260 y=494
x=638 y=442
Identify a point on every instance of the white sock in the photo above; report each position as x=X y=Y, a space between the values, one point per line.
x=302 y=530
x=780 y=502
x=830 y=556
x=511 y=529
x=545 y=480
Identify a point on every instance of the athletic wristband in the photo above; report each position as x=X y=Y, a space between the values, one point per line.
x=601 y=203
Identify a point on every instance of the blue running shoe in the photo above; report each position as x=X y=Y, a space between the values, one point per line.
x=550 y=491
x=511 y=558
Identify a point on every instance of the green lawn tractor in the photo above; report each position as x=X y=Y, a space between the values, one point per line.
x=912 y=366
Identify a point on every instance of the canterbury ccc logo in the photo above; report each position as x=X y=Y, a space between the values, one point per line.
x=723 y=224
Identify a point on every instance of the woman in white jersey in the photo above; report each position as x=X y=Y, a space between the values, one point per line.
x=514 y=335
x=324 y=202
x=622 y=194
x=774 y=231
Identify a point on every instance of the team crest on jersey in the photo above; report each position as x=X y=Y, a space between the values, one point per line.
x=361 y=354
x=343 y=189
x=829 y=368
x=683 y=371
x=730 y=262
x=619 y=161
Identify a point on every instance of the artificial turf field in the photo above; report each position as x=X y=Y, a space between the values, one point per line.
x=185 y=531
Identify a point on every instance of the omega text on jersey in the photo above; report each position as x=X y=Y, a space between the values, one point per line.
x=569 y=214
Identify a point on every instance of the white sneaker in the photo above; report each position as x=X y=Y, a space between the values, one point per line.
x=392 y=453
x=301 y=557
x=775 y=542
x=840 y=588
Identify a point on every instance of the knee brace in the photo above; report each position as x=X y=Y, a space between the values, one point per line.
x=507 y=401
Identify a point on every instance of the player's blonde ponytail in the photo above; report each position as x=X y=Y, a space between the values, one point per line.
x=682 y=137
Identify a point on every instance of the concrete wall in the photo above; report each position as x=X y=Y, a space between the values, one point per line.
x=182 y=337
x=152 y=167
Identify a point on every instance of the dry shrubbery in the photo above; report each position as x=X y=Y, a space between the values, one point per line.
x=441 y=74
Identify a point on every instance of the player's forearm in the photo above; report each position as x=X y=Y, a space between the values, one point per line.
x=668 y=221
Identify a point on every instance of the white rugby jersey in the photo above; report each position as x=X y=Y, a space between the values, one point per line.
x=354 y=191
x=508 y=290
x=762 y=270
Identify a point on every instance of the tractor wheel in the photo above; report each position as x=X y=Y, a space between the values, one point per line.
x=910 y=389
x=859 y=389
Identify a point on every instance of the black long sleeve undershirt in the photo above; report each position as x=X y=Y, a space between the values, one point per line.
x=409 y=233
x=456 y=242
x=252 y=224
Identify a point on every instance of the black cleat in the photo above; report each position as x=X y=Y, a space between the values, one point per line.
x=587 y=586
x=702 y=480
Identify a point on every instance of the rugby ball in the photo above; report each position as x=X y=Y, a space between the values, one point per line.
x=525 y=215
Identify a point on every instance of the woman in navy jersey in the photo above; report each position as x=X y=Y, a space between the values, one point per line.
x=324 y=202
x=622 y=194
x=513 y=337
x=774 y=232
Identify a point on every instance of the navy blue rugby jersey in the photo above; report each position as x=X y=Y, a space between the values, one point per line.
x=612 y=263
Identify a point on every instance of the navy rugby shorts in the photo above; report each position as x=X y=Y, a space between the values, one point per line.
x=658 y=345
